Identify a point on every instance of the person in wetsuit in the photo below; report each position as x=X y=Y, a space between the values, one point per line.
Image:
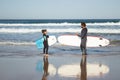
x=45 y=42
x=83 y=36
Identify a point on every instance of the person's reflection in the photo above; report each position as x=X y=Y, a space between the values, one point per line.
x=45 y=67
x=83 y=68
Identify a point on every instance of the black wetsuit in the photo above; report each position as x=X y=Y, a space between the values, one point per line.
x=83 y=40
x=45 y=42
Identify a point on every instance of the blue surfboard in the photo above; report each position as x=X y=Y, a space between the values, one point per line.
x=51 y=41
x=39 y=43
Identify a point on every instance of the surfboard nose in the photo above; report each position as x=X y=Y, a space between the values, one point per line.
x=107 y=42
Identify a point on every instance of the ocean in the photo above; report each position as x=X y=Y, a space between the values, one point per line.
x=26 y=32
x=23 y=32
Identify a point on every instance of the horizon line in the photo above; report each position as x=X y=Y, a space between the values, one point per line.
x=62 y=19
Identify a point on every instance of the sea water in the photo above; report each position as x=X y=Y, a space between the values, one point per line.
x=19 y=36
x=26 y=32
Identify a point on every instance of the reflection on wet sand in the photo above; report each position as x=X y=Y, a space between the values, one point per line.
x=83 y=69
x=45 y=67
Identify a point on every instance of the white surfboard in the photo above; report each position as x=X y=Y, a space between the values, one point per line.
x=92 y=70
x=74 y=40
x=51 y=40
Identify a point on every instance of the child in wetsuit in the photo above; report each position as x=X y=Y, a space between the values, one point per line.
x=45 y=42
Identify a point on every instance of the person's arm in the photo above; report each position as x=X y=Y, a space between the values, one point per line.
x=78 y=35
x=44 y=37
x=47 y=36
x=84 y=33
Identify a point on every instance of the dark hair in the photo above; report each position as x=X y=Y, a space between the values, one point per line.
x=44 y=30
x=83 y=23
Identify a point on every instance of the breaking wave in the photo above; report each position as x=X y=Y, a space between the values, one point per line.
x=57 y=24
x=23 y=30
x=17 y=43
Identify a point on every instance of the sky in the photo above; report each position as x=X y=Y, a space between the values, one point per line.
x=59 y=9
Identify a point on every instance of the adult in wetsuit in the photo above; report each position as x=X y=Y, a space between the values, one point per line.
x=83 y=36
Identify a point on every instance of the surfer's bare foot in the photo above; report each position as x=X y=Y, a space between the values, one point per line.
x=47 y=55
x=84 y=53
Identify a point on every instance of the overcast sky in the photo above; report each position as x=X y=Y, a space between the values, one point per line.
x=59 y=9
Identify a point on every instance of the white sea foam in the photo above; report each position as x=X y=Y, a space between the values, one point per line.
x=104 y=24
x=43 y=24
x=22 y=30
x=16 y=43
x=58 y=24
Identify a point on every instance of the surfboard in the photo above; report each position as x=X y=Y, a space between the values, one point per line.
x=74 y=40
x=73 y=70
x=51 y=40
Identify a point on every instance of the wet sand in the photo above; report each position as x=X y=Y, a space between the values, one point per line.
x=15 y=65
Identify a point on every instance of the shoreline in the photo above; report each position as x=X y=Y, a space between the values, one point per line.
x=12 y=50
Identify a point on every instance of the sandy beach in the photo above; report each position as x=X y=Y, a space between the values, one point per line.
x=66 y=28
x=27 y=63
